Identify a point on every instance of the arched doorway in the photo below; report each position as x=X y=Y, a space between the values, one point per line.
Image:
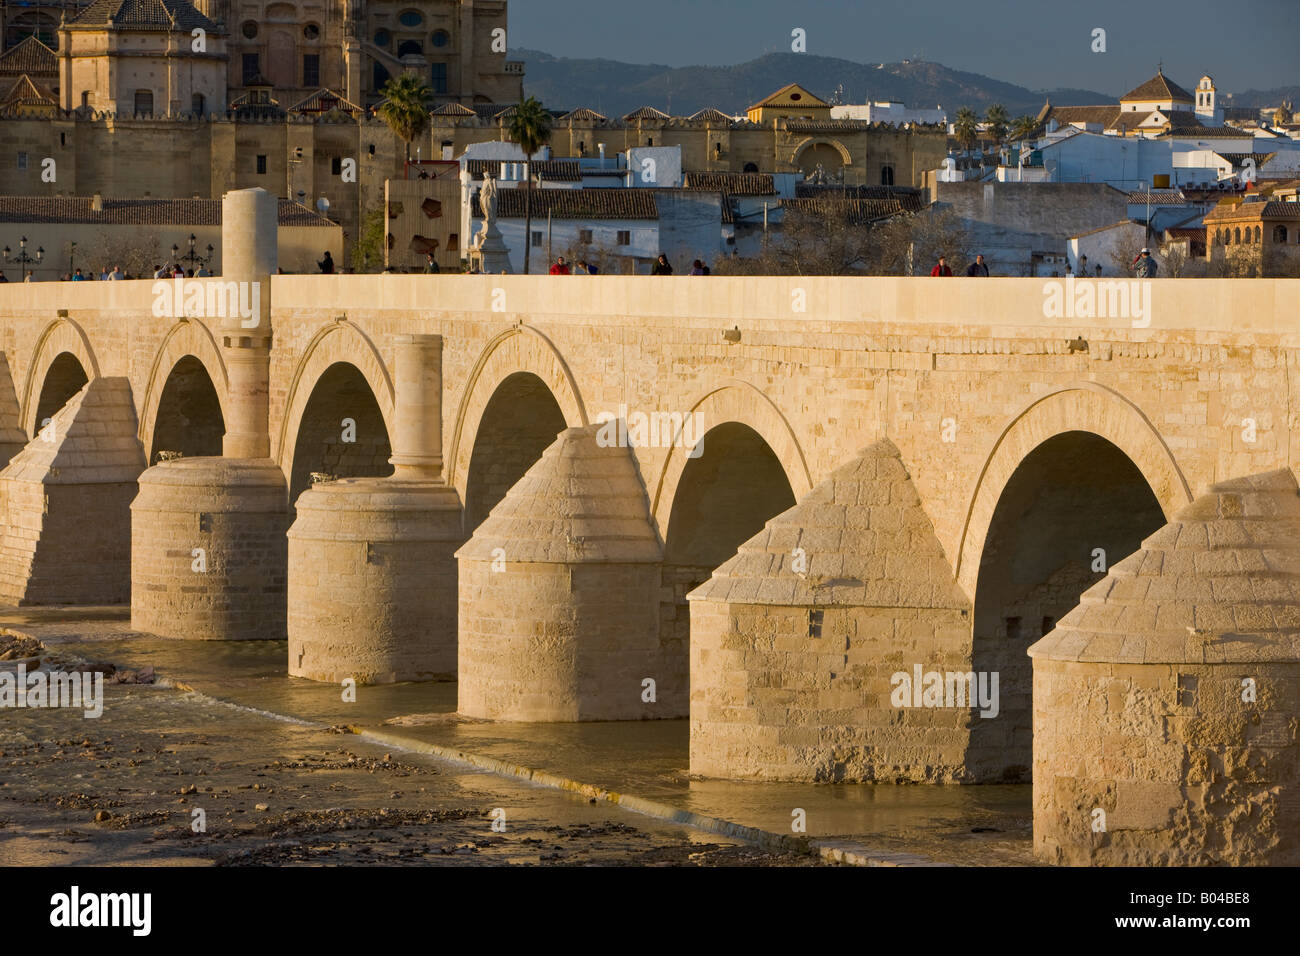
x=342 y=431
x=189 y=416
x=65 y=378
x=723 y=499
x=1073 y=507
x=520 y=421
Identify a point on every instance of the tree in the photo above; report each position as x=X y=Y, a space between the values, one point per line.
x=966 y=128
x=1023 y=128
x=998 y=121
x=1283 y=115
x=911 y=244
x=368 y=250
x=406 y=107
x=530 y=127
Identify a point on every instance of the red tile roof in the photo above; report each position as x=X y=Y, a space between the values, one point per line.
x=30 y=56
x=1159 y=87
x=737 y=184
x=577 y=204
x=551 y=170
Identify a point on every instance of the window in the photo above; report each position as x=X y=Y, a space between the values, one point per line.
x=537 y=238
x=814 y=617
x=440 y=38
x=649 y=140
x=584 y=236
x=197 y=104
x=311 y=69
x=408 y=47
x=251 y=68
x=438 y=77
x=1013 y=628
x=625 y=237
x=751 y=167
x=336 y=165
x=410 y=18
x=1236 y=235
x=382 y=37
x=261 y=165
x=1248 y=235
x=1279 y=234
x=453 y=242
x=1257 y=233
x=22 y=160
x=249 y=29
x=311 y=32
x=144 y=102
x=886 y=175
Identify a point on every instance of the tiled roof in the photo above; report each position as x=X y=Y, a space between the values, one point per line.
x=582 y=113
x=1103 y=116
x=647 y=112
x=1237 y=211
x=452 y=109
x=1185 y=232
x=322 y=101
x=908 y=197
x=1159 y=87
x=30 y=56
x=854 y=210
x=826 y=126
x=244 y=103
x=1170 y=198
x=551 y=170
x=738 y=184
x=138 y=212
x=25 y=91
x=711 y=115
x=144 y=15
x=577 y=204
x=1210 y=132
x=805 y=97
x=491 y=110
x=1238 y=158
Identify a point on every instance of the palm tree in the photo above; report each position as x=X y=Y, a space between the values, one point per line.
x=1023 y=128
x=406 y=107
x=998 y=120
x=965 y=128
x=530 y=127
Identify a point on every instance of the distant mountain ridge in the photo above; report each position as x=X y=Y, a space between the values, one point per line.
x=615 y=89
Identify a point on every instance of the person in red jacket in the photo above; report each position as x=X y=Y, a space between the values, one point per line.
x=561 y=268
x=942 y=268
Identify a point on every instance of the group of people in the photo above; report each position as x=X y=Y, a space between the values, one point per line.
x=661 y=267
x=1143 y=266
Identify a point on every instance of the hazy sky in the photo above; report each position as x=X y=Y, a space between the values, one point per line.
x=1041 y=44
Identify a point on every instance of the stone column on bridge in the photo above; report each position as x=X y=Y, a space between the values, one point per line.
x=372 y=567
x=1165 y=703
x=208 y=549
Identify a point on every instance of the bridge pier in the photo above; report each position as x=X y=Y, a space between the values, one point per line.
x=1165 y=703
x=65 y=524
x=560 y=594
x=797 y=642
x=207 y=534
x=372 y=568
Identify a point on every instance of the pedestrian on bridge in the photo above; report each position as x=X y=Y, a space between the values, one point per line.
x=941 y=268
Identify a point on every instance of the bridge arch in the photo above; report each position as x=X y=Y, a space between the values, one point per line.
x=519 y=349
x=1073 y=485
x=744 y=404
x=1079 y=407
x=62 y=337
x=188 y=340
x=338 y=344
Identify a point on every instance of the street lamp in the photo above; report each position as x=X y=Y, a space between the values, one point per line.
x=23 y=259
x=195 y=260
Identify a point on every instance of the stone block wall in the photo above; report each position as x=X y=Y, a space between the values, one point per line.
x=778 y=694
x=1184 y=770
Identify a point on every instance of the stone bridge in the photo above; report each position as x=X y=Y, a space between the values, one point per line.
x=893 y=477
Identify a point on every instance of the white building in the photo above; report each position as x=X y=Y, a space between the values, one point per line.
x=889 y=111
